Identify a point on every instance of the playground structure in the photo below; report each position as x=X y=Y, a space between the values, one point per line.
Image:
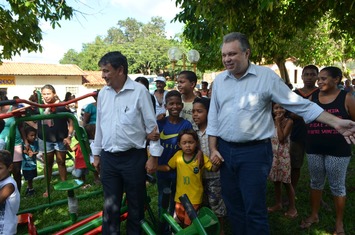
x=205 y=222
x=28 y=113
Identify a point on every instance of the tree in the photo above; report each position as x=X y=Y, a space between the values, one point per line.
x=272 y=26
x=19 y=23
x=70 y=57
x=91 y=54
x=144 y=45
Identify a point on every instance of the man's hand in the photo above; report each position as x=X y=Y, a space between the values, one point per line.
x=96 y=163
x=151 y=165
x=347 y=129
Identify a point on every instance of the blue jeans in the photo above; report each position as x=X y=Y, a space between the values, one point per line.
x=243 y=179
x=119 y=174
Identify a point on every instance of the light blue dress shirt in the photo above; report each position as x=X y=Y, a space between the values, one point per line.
x=240 y=109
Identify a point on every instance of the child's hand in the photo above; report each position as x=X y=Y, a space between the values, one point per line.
x=278 y=117
x=30 y=153
x=216 y=158
x=154 y=135
x=216 y=161
x=161 y=116
x=27 y=147
x=67 y=142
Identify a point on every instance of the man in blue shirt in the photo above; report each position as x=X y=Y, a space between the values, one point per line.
x=240 y=126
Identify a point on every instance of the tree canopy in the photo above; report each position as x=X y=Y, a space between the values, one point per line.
x=144 y=45
x=19 y=23
x=273 y=27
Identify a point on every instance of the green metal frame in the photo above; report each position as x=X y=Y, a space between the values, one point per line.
x=80 y=133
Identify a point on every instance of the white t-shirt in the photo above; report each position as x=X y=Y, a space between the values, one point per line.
x=9 y=209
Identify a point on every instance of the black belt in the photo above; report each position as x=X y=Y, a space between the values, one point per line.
x=248 y=143
x=124 y=153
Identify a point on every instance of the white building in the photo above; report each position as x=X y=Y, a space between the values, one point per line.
x=21 y=79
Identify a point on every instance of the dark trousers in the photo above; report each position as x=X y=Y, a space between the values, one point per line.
x=243 y=179
x=123 y=172
x=162 y=184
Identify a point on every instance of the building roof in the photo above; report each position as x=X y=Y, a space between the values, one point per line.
x=17 y=68
x=93 y=78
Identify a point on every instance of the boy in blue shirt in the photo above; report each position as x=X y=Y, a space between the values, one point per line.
x=169 y=128
x=29 y=164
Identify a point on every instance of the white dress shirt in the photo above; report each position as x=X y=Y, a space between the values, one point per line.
x=124 y=119
x=240 y=109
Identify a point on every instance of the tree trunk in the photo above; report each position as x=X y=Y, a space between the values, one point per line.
x=283 y=71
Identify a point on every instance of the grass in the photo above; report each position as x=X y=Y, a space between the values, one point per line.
x=279 y=225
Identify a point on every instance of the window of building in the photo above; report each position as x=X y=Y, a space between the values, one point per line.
x=3 y=93
x=72 y=90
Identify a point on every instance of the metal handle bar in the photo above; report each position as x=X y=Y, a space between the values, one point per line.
x=19 y=111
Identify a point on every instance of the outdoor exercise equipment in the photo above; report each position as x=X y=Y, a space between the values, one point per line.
x=28 y=113
x=69 y=186
x=93 y=224
x=203 y=223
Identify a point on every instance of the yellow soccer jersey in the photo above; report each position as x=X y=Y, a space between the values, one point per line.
x=189 y=177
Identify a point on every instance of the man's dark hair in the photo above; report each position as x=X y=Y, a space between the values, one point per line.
x=172 y=93
x=311 y=66
x=204 y=83
x=116 y=59
x=236 y=36
x=191 y=76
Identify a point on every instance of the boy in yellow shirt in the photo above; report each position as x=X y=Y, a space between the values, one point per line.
x=189 y=172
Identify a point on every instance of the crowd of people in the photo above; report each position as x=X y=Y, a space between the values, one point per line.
x=219 y=146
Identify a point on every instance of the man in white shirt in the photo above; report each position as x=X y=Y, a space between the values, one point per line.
x=159 y=95
x=240 y=126
x=125 y=117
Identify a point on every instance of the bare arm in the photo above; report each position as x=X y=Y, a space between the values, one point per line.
x=350 y=105
x=6 y=191
x=67 y=140
x=163 y=168
x=96 y=163
x=86 y=118
x=343 y=126
x=151 y=165
x=214 y=154
x=214 y=168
